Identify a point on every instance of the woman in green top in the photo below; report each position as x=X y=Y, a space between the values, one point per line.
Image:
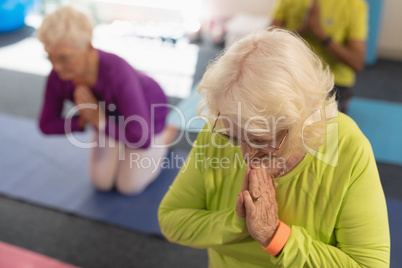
x=279 y=177
x=337 y=32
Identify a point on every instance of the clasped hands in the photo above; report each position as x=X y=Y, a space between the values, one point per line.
x=85 y=100
x=257 y=203
x=311 y=22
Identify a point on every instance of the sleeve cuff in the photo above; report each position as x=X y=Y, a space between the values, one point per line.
x=75 y=126
x=279 y=240
x=239 y=222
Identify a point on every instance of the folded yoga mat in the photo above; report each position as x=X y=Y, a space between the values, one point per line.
x=50 y=171
x=15 y=257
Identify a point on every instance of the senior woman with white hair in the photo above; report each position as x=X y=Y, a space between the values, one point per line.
x=279 y=177
x=125 y=128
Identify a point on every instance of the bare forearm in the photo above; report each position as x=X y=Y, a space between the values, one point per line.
x=352 y=55
x=346 y=55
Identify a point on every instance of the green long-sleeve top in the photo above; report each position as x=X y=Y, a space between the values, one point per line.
x=334 y=205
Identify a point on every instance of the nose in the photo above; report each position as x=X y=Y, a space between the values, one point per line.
x=248 y=152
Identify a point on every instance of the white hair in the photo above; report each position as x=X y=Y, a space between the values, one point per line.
x=273 y=74
x=68 y=24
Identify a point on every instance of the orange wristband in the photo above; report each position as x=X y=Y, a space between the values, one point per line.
x=279 y=240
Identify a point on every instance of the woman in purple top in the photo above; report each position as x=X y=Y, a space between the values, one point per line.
x=126 y=108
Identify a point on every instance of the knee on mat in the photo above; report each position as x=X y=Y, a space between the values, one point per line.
x=101 y=183
x=131 y=189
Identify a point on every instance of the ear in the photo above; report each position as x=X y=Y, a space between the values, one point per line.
x=90 y=46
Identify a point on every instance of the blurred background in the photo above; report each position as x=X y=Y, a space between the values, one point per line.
x=173 y=41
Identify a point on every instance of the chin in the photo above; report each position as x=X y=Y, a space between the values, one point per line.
x=64 y=76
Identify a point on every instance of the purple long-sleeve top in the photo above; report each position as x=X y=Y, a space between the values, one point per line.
x=139 y=102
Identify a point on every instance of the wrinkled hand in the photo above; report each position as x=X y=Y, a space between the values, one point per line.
x=88 y=105
x=261 y=215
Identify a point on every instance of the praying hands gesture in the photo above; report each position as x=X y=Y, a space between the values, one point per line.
x=257 y=203
x=350 y=51
x=89 y=107
x=311 y=22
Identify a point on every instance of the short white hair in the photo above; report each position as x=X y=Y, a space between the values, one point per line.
x=272 y=73
x=69 y=24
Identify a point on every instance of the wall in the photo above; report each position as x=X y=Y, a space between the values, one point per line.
x=229 y=8
x=390 y=41
x=390 y=36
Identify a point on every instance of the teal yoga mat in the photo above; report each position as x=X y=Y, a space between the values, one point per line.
x=381 y=122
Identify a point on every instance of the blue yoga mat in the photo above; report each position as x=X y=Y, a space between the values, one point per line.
x=381 y=122
x=50 y=171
